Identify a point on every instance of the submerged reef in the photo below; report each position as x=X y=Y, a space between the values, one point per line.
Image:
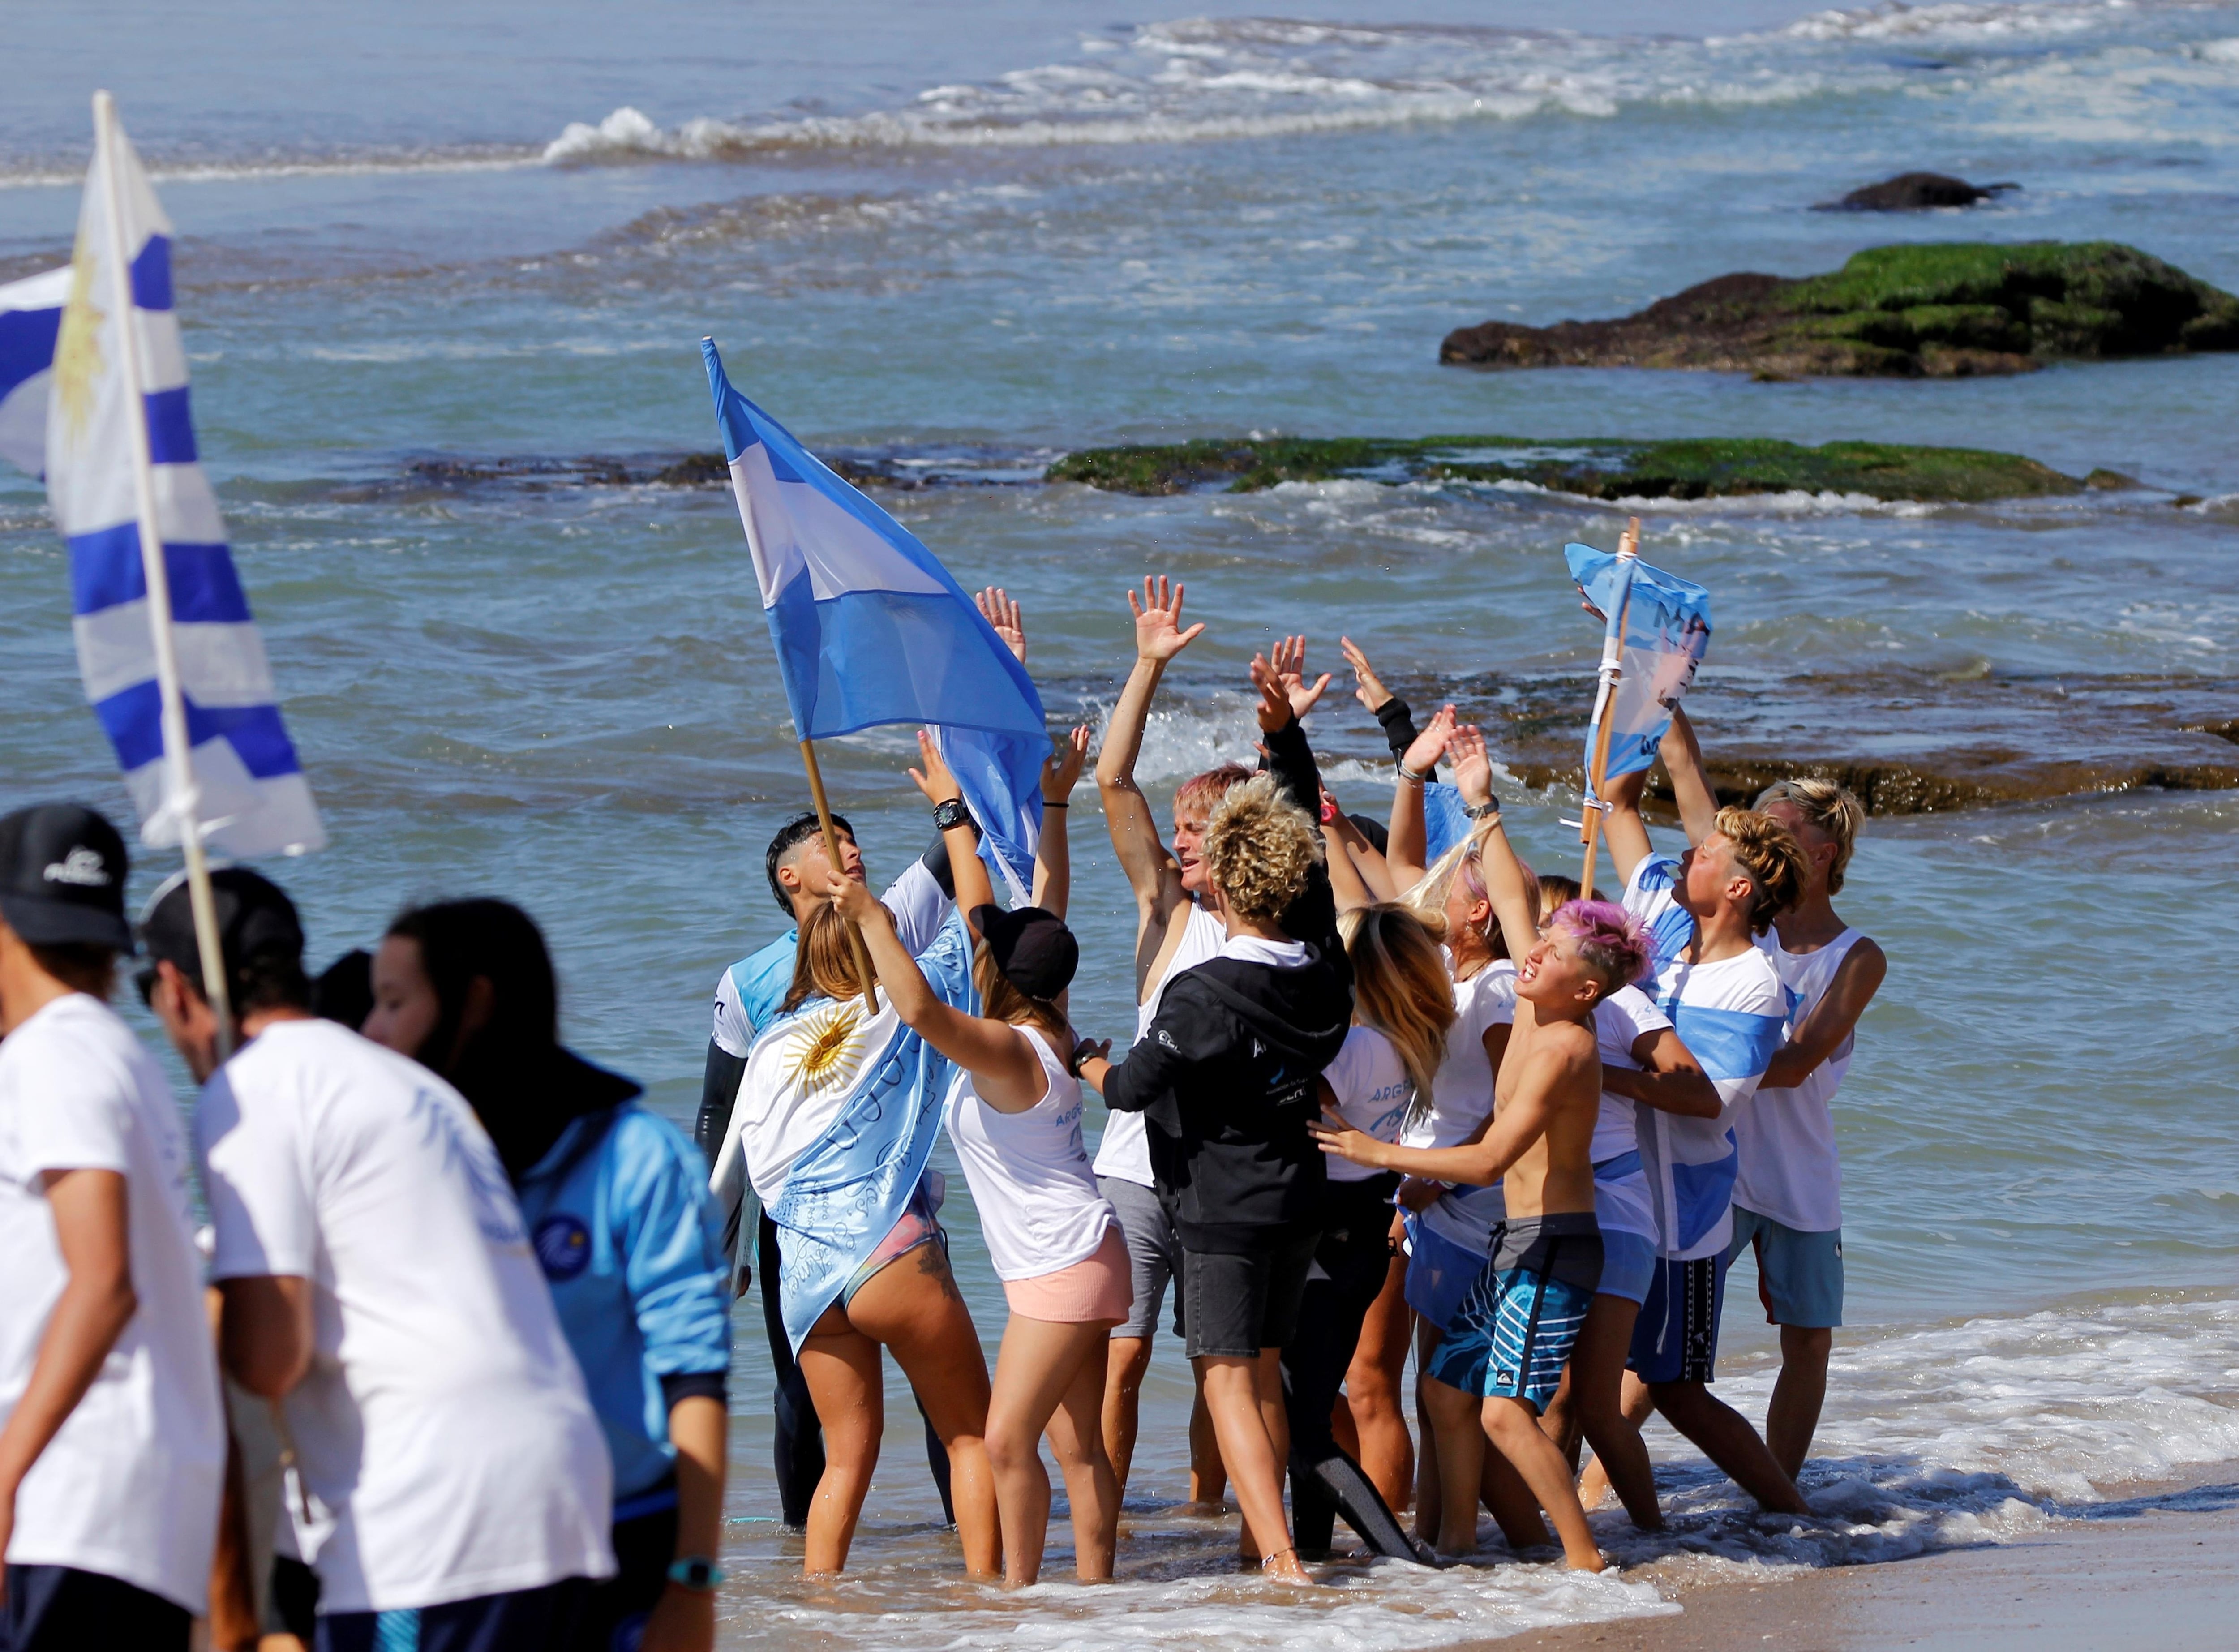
x=1946 y=310
x=1594 y=468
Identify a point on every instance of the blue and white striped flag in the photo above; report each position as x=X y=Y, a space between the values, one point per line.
x=1659 y=626
x=249 y=796
x=871 y=629
x=30 y=315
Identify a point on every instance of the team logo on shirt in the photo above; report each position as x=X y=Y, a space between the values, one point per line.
x=563 y=1247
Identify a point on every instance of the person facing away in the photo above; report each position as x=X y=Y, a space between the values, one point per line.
x=112 y=1437
x=1504 y=1352
x=452 y=1484
x=615 y=1199
x=1227 y=1078
x=834 y=1131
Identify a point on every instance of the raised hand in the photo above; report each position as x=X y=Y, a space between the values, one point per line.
x=1274 y=707
x=999 y=610
x=1472 y=766
x=850 y=897
x=1430 y=745
x=1159 y=634
x=1291 y=666
x=1368 y=687
x=934 y=779
x=1061 y=772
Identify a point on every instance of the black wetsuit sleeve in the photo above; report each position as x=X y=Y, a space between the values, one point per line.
x=1400 y=730
x=1291 y=760
x=935 y=860
x=1313 y=917
x=719 y=1088
x=1186 y=1031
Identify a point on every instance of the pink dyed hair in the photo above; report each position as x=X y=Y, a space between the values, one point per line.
x=1199 y=792
x=1610 y=939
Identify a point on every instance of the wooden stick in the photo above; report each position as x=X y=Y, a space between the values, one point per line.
x=1590 y=827
x=832 y=852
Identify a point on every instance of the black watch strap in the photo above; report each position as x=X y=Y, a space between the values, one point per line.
x=1484 y=811
x=951 y=814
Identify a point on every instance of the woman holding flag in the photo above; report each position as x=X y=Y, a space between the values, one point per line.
x=834 y=1128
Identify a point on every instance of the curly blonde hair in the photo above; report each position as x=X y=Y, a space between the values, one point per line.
x=1830 y=807
x=1768 y=852
x=1259 y=848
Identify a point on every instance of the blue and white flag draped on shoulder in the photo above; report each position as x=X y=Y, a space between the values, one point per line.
x=871 y=629
x=250 y=794
x=1665 y=624
x=30 y=315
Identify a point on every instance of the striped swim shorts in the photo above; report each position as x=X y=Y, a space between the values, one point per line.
x=1515 y=1330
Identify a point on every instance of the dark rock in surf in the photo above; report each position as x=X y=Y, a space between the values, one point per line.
x=1916 y=192
x=1949 y=310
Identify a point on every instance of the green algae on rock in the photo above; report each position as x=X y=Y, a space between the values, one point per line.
x=1597 y=469
x=1937 y=310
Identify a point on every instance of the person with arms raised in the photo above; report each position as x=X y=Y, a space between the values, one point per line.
x=616 y=1202
x=451 y=1482
x=112 y=1437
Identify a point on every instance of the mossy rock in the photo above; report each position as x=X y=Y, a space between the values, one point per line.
x=1944 y=310
x=1595 y=469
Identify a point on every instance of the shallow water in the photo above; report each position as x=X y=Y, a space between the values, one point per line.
x=968 y=245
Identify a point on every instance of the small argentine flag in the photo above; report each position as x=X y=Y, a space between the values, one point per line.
x=871 y=629
x=248 y=790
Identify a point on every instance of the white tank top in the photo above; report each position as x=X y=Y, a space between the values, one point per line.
x=1788 y=1167
x=1461 y=1095
x=1124 y=1150
x=1030 y=1177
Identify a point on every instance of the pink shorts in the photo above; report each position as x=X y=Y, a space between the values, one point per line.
x=1094 y=1290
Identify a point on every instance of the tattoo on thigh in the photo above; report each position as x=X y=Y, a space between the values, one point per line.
x=932 y=1262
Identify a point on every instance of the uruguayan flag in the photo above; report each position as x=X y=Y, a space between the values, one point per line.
x=1732 y=1015
x=1666 y=626
x=30 y=315
x=250 y=794
x=870 y=629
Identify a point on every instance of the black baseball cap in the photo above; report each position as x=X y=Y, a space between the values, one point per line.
x=1032 y=946
x=255 y=919
x=61 y=877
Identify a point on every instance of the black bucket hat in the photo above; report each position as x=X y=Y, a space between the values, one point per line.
x=61 y=877
x=1032 y=946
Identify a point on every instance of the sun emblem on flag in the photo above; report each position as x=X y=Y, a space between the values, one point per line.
x=828 y=1049
x=78 y=348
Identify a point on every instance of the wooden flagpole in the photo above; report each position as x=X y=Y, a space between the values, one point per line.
x=1628 y=547
x=179 y=796
x=832 y=852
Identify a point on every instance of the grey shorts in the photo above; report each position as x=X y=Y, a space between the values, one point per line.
x=1154 y=1254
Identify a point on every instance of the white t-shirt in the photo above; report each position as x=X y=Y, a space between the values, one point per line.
x=442 y=1431
x=1622 y=1198
x=1373 y=1092
x=1031 y=1179
x=1789 y=1170
x=1461 y=1098
x=1124 y=1151
x=129 y=1486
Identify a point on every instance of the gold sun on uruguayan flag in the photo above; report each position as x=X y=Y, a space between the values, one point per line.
x=78 y=363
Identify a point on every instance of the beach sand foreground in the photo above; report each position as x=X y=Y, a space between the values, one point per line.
x=2158 y=1577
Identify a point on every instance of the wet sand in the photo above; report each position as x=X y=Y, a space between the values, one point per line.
x=2140 y=1573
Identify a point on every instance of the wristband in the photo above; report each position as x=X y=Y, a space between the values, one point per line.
x=1484 y=811
x=948 y=816
x=1048 y=805
x=696 y=1572
x=1408 y=774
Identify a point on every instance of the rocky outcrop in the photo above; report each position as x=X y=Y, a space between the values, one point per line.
x=1937 y=311
x=1916 y=192
x=1718 y=467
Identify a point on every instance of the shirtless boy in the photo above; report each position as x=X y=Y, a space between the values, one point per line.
x=1516 y=1329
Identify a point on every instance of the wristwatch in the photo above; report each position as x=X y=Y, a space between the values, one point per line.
x=1484 y=811
x=951 y=814
x=696 y=1572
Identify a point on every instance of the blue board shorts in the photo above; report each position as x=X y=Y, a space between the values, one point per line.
x=1439 y=1272
x=1515 y=1330
x=1799 y=1274
x=1628 y=1265
x=1676 y=1338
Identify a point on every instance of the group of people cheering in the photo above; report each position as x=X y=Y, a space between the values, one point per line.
x=447 y=1365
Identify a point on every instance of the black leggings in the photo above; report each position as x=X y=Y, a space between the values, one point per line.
x=1356 y=1256
x=800 y=1443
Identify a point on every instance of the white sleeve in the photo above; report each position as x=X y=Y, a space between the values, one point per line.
x=68 y=1115
x=919 y=907
x=734 y=1029
x=1351 y=1072
x=253 y=1171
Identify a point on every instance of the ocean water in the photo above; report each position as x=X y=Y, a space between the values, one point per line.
x=485 y=241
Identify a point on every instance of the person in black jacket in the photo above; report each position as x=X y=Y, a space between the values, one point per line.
x=1227 y=1077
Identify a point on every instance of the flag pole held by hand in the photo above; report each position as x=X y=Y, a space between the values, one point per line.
x=832 y=851
x=1613 y=669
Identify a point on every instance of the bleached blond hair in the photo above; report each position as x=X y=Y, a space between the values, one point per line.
x=1259 y=848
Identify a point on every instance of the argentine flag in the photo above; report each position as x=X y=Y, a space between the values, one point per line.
x=1665 y=628
x=871 y=629
x=249 y=795
x=30 y=315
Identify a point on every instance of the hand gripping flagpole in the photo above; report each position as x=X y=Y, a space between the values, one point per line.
x=180 y=799
x=832 y=853
x=1628 y=552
